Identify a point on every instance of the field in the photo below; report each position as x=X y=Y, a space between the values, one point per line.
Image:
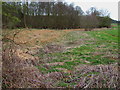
x=61 y=58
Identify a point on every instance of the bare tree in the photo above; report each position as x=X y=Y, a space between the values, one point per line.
x=93 y=11
x=90 y=21
x=104 y=13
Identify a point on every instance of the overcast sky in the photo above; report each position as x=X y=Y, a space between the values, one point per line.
x=110 y=5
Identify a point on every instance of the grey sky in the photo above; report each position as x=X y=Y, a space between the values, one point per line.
x=110 y=5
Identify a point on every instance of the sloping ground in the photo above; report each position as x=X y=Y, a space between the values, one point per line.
x=68 y=58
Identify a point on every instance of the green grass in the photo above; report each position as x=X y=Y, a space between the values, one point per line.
x=66 y=66
x=105 y=41
x=63 y=84
x=105 y=35
x=42 y=69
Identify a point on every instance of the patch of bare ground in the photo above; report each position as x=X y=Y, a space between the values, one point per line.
x=85 y=30
x=73 y=30
x=52 y=48
x=97 y=29
x=81 y=41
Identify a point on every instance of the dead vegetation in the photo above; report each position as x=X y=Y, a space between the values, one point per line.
x=100 y=76
x=20 y=73
x=19 y=66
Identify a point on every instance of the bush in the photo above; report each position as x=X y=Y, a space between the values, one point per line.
x=104 y=22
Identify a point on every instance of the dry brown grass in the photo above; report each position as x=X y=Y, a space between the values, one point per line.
x=21 y=72
x=107 y=76
x=36 y=37
x=19 y=69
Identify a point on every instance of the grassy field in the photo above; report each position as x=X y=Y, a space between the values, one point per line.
x=73 y=58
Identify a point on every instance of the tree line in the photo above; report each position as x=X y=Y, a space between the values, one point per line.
x=53 y=15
